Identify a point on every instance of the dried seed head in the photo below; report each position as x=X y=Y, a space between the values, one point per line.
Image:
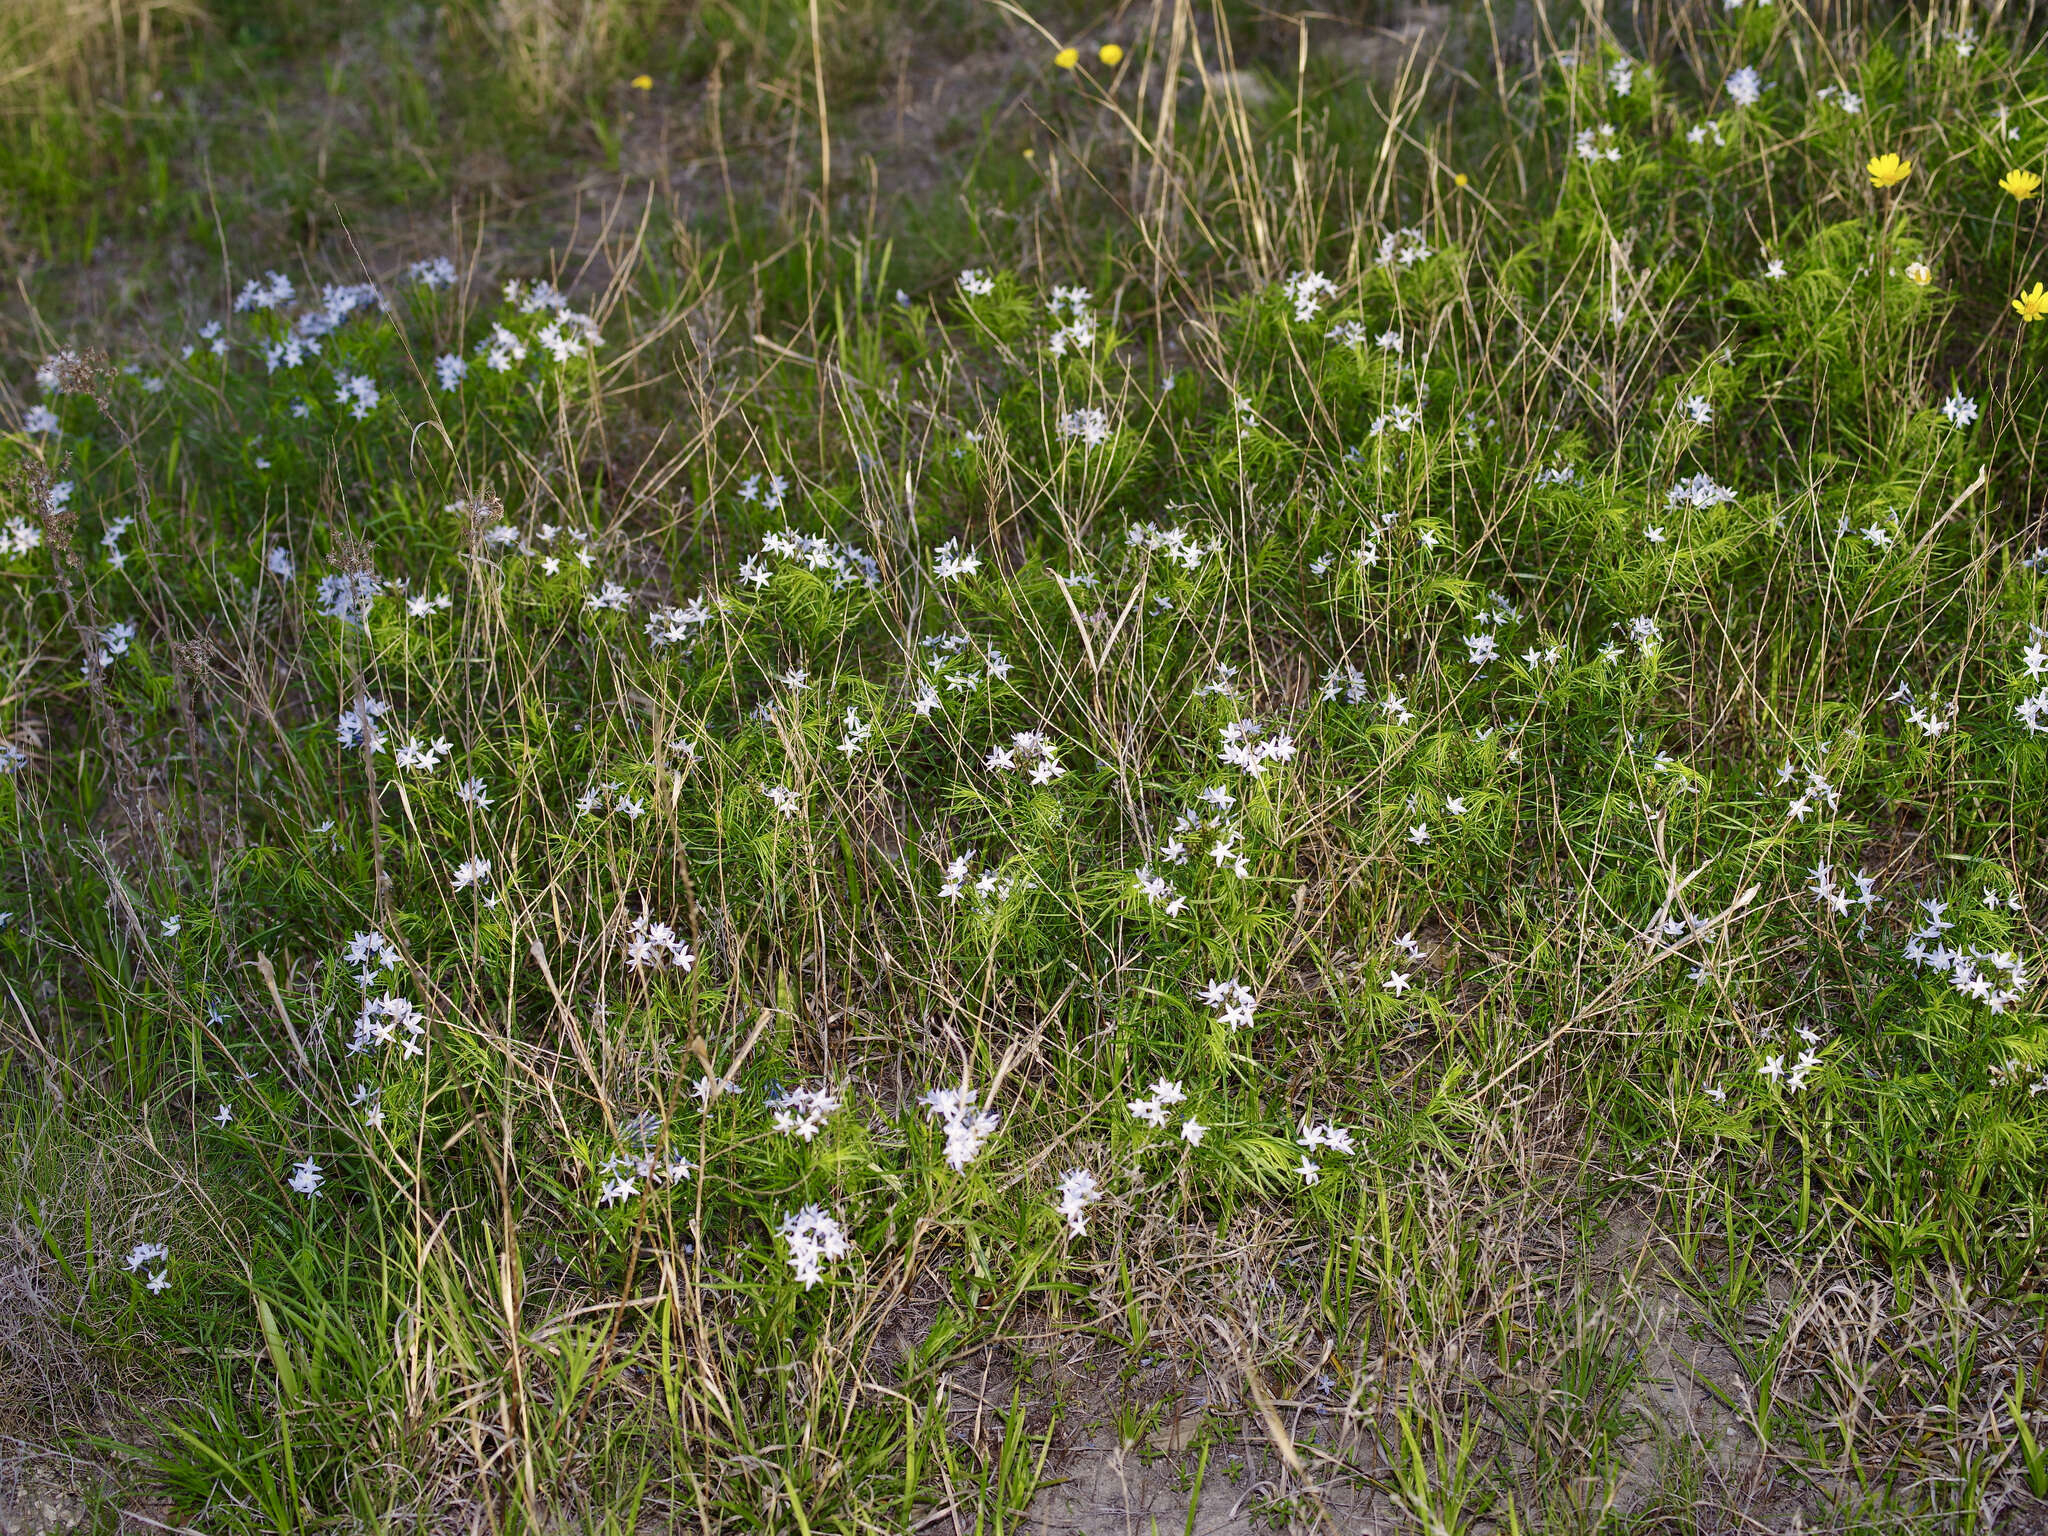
x=353 y=556
x=77 y=372
x=479 y=514
x=34 y=483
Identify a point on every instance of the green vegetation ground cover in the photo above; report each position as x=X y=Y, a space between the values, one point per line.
x=1327 y=768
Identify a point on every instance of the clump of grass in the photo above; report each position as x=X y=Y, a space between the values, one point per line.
x=551 y=51
x=1383 y=802
x=83 y=50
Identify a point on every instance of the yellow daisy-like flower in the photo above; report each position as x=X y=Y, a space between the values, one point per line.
x=643 y=82
x=1461 y=180
x=1067 y=58
x=1888 y=170
x=2021 y=184
x=1111 y=54
x=2032 y=306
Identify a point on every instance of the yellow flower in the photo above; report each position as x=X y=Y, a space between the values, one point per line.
x=2021 y=184
x=1919 y=273
x=643 y=82
x=1461 y=180
x=1888 y=170
x=1110 y=54
x=1067 y=58
x=2032 y=306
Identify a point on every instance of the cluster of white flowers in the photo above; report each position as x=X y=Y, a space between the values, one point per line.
x=289 y=353
x=380 y=1021
x=369 y=954
x=944 y=655
x=1699 y=491
x=621 y=1175
x=1223 y=850
x=419 y=756
x=1793 y=1078
x=1346 y=683
x=1877 y=535
x=1828 y=894
x=975 y=283
x=1247 y=745
x=767 y=488
x=337 y=303
x=2032 y=711
x=1307 y=292
x=347 y=595
x=600 y=797
x=565 y=334
x=950 y=562
x=1157 y=890
x=1817 y=789
x=1932 y=720
x=855 y=734
x=1400 y=418
x=357 y=391
x=1175 y=543
x=501 y=351
x=1320 y=1136
x=994 y=885
x=968 y=1126
x=815 y=1239
x=144 y=1254
x=432 y=272
x=802 y=1112
x=1745 y=87
x=1078 y=328
x=110 y=541
x=1365 y=557
x=1163 y=1095
x=111 y=642
x=355 y=727
x=679 y=625
x=1596 y=144
x=655 y=945
x=1078 y=1191
x=1028 y=750
x=1232 y=1002
x=847 y=564
x=1089 y=426
x=568 y=335
x=272 y=291
x=1970 y=971
x=1354 y=333
x=1403 y=248
x=307 y=1178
